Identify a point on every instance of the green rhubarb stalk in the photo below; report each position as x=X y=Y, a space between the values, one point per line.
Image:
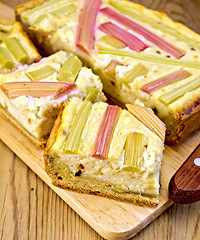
x=92 y=94
x=70 y=69
x=73 y=141
x=145 y=19
x=137 y=71
x=148 y=57
x=111 y=41
x=65 y=9
x=134 y=148
x=178 y=92
x=5 y=58
x=16 y=49
x=41 y=73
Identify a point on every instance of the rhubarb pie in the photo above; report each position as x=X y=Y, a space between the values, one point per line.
x=104 y=150
x=138 y=53
x=31 y=97
x=15 y=47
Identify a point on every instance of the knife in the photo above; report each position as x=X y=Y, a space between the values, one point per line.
x=184 y=186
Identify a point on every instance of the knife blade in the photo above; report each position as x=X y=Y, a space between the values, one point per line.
x=184 y=186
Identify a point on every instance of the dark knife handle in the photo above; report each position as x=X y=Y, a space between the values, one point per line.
x=184 y=186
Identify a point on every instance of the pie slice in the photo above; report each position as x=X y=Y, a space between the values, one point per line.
x=16 y=49
x=31 y=97
x=138 y=53
x=104 y=150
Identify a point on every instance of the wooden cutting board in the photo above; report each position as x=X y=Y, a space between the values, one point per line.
x=111 y=219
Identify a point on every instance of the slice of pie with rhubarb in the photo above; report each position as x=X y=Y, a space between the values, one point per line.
x=101 y=149
x=137 y=52
x=16 y=49
x=31 y=97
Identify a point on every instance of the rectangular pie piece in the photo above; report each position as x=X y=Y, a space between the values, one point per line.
x=31 y=96
x=137 y=52
x=104 y=150
x=16 y=49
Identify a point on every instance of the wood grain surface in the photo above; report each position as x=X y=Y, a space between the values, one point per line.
x=29 y=209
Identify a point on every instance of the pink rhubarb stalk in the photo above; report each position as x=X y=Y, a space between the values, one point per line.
x=150 y=36
x=163 y=81
x=54 y=90
x=122 y=35
x=85 y=36
x=105 y=133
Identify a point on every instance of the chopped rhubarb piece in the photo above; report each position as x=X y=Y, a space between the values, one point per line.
x=85 y=35
x=134 y=148
x=137 y=71
x=41 y=73
x=105 y=132
x=78 y=124
x=70 y=69
x=110 y=68
x=148 y=57
x=163 y=81
x=15 y=47
x=54 y=90
x=5 y=58
x=149 y=119
x=122 y=35
x=150 y=36
x=92 y=94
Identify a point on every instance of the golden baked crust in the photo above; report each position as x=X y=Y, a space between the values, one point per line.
x=184 y=123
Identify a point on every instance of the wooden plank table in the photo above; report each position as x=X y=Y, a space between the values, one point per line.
x=31 y=210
